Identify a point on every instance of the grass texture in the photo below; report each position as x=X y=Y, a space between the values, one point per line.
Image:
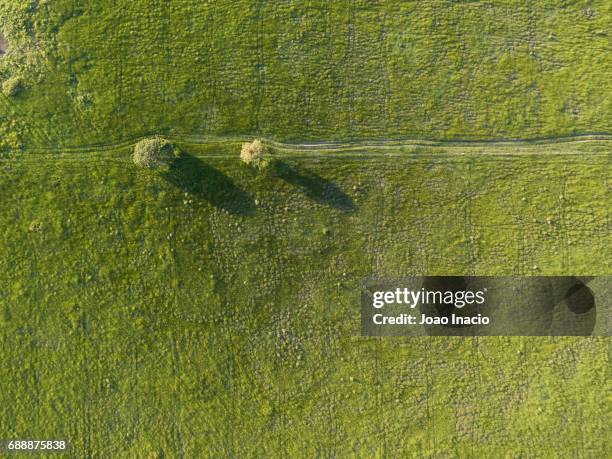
x=117 y=70
x=213 y=311
x=210 y=310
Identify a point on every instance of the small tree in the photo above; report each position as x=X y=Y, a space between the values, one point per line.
x=254 y=154
x=154 y=152
x=12 y=86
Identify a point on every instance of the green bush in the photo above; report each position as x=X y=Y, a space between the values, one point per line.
x=12 y=87
x=154 y=153
x=254 y=154
x=9 y=139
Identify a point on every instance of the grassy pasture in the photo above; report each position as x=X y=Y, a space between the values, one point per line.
x=115 y=70
x=211 y=311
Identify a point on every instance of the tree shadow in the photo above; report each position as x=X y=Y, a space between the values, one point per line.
x=576 y=313
x=314 y=186
x=192 y=175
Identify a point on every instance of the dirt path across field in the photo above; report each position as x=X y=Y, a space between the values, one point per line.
x=561 y=146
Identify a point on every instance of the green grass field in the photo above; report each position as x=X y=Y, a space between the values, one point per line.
x=119 y=69
x=213 y=311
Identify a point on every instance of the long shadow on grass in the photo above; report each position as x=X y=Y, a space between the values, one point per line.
x=192 y=175
x=314 y=186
